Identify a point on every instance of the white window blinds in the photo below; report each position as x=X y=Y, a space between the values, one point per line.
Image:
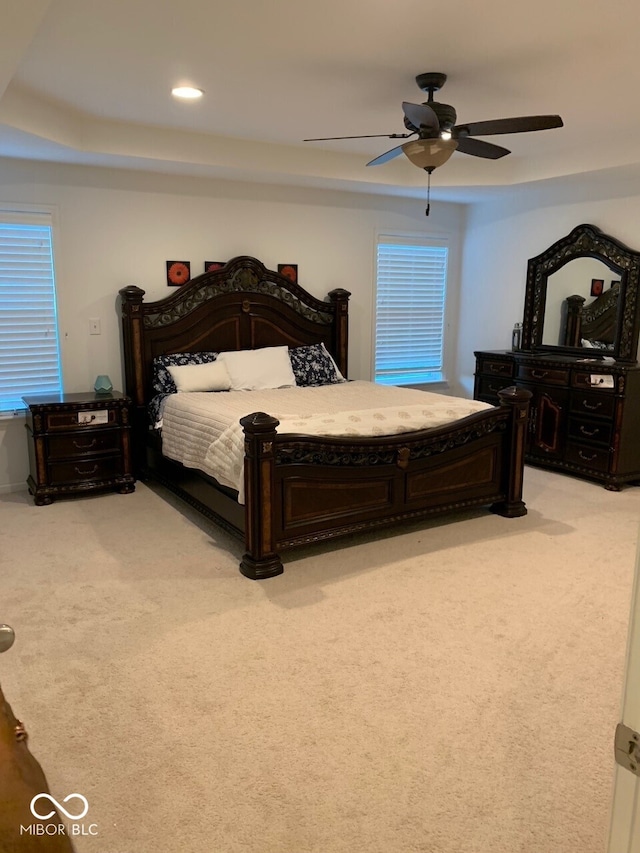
x=29 y=350
x=410 y=303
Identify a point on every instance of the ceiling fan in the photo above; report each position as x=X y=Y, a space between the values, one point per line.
x=438 y=134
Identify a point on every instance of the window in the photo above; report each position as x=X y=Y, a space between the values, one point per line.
x=29 y=347
x=410 y=302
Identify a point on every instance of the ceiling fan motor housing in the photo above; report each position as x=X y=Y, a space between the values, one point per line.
x=446 y=116
x=430 y=82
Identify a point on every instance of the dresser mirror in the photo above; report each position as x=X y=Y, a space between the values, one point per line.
x=582 y=298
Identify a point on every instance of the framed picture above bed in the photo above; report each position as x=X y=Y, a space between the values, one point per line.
x=178 y=273
x=289 y=271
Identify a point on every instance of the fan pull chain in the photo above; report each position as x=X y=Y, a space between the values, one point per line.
x=428 y=170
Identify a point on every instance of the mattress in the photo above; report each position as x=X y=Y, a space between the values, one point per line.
x=202 y=430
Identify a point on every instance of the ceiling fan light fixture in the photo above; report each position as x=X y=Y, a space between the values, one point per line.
x=445 y=134
x=429 y=153
x=187 y=93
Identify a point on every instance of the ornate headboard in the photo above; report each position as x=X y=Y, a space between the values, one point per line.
x=596 y=321
x=243 y=305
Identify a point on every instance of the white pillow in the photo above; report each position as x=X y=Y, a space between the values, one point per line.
x=255 y=369
x=338 y=374
x=200 y=377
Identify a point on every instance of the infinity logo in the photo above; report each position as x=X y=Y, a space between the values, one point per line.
x=84 y=801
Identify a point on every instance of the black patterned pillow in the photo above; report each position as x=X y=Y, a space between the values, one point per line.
x=154 y=409
x=163 y=381
x=312 y=365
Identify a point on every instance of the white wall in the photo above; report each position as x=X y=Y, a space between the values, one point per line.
x=502 y=234
x=118 y=227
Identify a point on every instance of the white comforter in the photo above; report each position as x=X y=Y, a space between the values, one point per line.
x=202 y=430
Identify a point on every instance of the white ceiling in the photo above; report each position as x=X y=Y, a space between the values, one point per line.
x=83 y=81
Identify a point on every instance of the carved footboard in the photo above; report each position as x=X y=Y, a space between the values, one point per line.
x=302 y=489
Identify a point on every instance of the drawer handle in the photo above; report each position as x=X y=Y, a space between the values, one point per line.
x=539 y=374
x=587 y=458
x=592 y=408
x=85 y=473
x=88 y=446
x=589 y=432
x=501 y=368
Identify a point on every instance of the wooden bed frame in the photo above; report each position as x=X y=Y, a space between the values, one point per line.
x=303 y=489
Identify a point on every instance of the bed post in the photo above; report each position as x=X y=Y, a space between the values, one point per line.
x=133 y=340
x=518 y=400
x=340 y=300
x=260 y=560
x=574 y=317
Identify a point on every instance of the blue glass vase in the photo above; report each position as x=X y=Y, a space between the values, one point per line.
x=103 y=385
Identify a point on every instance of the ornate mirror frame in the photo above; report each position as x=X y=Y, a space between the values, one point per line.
x=584 y=241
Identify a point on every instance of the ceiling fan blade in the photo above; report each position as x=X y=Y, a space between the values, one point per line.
x=480 y=148
x=388 y=155
x=421 y=116
x=520 y=124
x=367 y=136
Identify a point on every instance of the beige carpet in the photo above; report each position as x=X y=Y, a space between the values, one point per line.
x=450 y=689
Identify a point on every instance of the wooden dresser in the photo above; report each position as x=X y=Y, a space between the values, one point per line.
x=78 y=443
x=584 y=415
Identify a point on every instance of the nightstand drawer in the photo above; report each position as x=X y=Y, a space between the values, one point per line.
x=88 y=419
x=84 y=471
x=83 y=443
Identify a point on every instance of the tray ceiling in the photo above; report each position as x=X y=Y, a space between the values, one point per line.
x=89 y=83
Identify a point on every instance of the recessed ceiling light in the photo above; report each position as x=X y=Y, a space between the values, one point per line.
x=187 y=93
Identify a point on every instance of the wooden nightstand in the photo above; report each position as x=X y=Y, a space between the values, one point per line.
x=78 y=444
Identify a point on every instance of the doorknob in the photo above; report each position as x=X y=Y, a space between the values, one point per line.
x=7 y=637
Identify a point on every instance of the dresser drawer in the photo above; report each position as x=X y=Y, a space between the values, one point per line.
x=496 y=368
x=83 y=443
x=88 y=419
x=587 y=456
x=593 y=403
x=582 y=379
x=589 y=430
x=85 y=470
x=547 y=375
x=487 y=388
